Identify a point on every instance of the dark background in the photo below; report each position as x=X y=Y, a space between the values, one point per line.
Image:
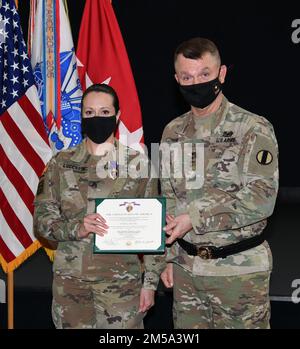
x=254 y=41
x=264 y=73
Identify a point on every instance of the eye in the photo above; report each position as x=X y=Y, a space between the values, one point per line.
x=185 y=78
x=89 y=113
x=105 y=112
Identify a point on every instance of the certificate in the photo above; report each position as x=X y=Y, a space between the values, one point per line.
x=134 y=225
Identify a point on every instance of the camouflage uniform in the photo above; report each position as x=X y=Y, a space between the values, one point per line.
x=238 y=194
x=90 y=290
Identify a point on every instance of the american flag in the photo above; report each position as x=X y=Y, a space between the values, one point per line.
x=24 y=147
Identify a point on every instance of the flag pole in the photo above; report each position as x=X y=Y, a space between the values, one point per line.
x=10 y=299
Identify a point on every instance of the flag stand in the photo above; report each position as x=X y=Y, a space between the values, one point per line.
x=10 y=300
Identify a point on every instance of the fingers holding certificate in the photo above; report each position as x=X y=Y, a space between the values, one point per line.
x=134 y=225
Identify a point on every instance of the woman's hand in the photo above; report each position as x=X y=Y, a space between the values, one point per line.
x=92 y=223
x=146 y=300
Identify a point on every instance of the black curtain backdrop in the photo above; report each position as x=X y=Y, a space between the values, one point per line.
x=255 y=42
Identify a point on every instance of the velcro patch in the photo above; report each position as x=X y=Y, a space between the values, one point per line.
x=264 y=157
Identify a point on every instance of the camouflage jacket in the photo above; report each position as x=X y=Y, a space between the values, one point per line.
x=66 y=194
x=238 y=191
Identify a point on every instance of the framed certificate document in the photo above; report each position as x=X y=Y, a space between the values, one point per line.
x=135 y=225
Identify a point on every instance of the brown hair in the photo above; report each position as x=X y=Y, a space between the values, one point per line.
x=102 y=88
x=195 y=48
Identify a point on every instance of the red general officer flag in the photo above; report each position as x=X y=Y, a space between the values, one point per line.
x=102 y=58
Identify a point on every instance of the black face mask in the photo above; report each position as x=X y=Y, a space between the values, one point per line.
x=203 y=94
x=99 y=128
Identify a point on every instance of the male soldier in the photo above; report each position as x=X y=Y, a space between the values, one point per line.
x=219 y=261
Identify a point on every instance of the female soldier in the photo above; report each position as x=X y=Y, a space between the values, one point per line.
x=93 y=290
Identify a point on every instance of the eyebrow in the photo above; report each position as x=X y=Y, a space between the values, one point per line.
x=202 y=70
x=97 y=108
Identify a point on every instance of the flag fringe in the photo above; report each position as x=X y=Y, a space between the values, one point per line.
x=11 y=266
x=50 y=253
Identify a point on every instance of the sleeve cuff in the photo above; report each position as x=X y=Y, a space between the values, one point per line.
x=74 y=234
x=65 y=231
x=150 y=281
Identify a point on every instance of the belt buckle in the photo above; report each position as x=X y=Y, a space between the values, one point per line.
x=205 y=252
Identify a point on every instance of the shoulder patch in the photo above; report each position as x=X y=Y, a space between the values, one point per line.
x=264 y=157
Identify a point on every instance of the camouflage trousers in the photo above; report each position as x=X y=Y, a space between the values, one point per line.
x=111 y=304
x=231 y=302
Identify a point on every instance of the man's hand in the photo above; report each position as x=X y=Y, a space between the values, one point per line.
x=92 y=223
x=167 y=276
x=177 y=227
x=146 y=300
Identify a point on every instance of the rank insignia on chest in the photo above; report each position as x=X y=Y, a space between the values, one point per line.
x=227 y=134
x=226 y=137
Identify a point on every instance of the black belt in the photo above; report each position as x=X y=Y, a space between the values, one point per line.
x=213 y=252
